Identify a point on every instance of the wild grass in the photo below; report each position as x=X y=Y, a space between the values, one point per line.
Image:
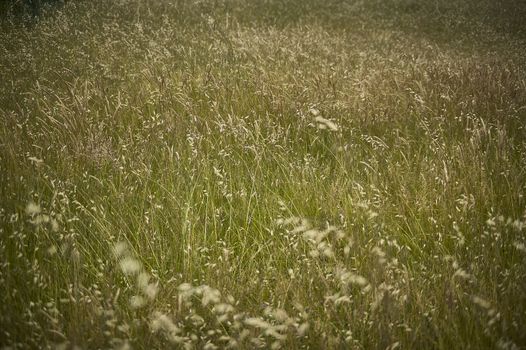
x=263 y=174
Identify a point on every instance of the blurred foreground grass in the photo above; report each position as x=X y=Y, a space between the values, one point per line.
x=274 y=174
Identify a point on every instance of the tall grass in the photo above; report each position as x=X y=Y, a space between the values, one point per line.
x=263 y=174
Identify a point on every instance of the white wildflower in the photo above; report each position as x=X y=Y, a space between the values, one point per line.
x=142 y=280
x=210 y=296
x=280 y=315
x=314 y=112
x=184 y=287
x=210 y=346
x=32 y=208
x=130 y=265
x=257 y=323
x=137 y=301
x=326 y=124
x=151 y=291
x=163 y=322
x=120 y=249
x=223 y=308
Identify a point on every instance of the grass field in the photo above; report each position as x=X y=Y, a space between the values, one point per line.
x=302 y=174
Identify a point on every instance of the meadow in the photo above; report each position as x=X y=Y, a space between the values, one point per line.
x=242 y=174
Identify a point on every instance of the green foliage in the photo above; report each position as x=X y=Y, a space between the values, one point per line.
x=273 y=174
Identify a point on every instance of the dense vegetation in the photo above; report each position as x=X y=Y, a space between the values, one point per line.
x=26 y=9
x=275 y=174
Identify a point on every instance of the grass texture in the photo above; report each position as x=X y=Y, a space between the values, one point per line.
x=303 y=174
